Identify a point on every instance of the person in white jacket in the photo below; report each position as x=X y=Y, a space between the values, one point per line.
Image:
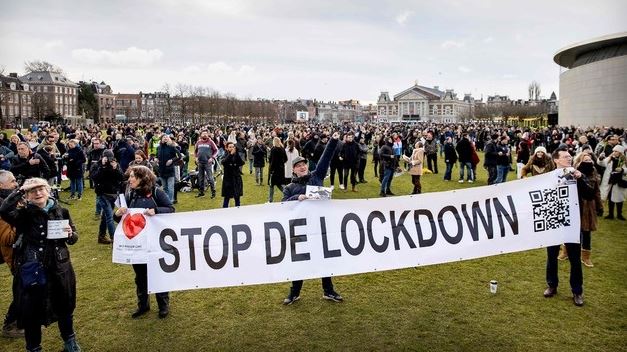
x=614 y=193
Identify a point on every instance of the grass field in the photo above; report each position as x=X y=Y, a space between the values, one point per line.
x=444 y=307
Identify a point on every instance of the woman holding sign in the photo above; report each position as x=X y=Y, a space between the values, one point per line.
x=142 y=193
x=47 y=284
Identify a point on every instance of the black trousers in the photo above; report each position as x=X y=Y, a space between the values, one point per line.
x=141 y=284
x=491 y=174
x=327 y=286
x=415 y=179
x=339 y=169
x=352 y=171
x=432 y=158
x=361 y=170
x=576 y=274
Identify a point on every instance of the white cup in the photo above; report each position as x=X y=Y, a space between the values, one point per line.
x=493 y=286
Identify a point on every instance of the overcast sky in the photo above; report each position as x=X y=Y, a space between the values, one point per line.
x=288 y=49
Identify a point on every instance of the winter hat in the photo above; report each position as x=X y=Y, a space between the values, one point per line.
x=540 y=149
x=297 y=160
x=108 y=154
x=619 y=148
x=34 y=183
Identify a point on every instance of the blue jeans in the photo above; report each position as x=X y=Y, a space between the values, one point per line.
x=168 y=186
x=386 y=183
x=468 y=166
x=106 y=219
x=501 y=173
x=449 y=171
x=76 y=186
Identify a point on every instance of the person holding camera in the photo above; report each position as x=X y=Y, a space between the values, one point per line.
x=613 y=181
x=75 y=159
x=108 y=179
x=27 y=164
x=46 y=281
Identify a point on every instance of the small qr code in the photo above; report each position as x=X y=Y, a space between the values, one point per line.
x=550 y=208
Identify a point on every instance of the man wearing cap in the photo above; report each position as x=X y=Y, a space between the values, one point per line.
x=296 y=191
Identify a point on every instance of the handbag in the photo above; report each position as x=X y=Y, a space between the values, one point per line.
x=615 y=177
x=32 y=274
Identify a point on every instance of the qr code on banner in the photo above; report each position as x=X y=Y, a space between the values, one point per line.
x=550 y=208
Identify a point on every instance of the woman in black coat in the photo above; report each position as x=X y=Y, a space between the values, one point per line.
x=232 y=185
x=143 y=193
x=75 y=159
x=277 y=160
x=46 y=279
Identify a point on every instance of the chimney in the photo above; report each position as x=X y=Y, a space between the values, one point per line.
x=436 y=87
x=13 y=74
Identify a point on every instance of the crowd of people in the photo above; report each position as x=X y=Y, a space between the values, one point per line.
x=150 y=165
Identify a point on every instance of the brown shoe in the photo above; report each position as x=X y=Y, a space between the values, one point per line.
x=550 y=292
x=103 y=239
x=578 y=299
x=585 y=258
x=563 y=253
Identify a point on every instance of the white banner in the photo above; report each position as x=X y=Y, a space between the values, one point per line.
x=280 y=242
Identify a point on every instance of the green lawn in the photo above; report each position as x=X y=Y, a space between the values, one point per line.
x=444 y=307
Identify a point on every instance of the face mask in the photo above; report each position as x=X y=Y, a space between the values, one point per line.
x=586 y=168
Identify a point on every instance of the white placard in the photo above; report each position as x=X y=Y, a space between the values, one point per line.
x=57 y=229
x=319 y=192
x=120 y=201
x=130 y=241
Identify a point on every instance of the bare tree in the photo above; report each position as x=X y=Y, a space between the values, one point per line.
x=534 y=91
x=40 y=65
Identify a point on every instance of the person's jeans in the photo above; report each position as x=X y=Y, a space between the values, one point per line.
x=76 y=186
x=353 y=176
x=106 y=219
x=468 y=166
x=259 y=175
x=574 y=257
x=449 y=170
x=501 y=173
x=225 y=204
x=340 y=173
x=168 y=186
x=205 y=172
x=250 y=166
x=386 y=183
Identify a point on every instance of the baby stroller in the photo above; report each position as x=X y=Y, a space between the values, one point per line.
x=190 y=182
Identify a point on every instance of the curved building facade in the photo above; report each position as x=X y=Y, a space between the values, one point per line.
x=593 y=91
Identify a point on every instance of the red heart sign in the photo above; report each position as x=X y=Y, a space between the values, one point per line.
x=133 y=225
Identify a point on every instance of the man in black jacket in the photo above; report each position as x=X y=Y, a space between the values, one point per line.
x=107 y=177
x=464 y=153
x=349 y=154
x=296 y=191
x=491 y=155
x=27 y=164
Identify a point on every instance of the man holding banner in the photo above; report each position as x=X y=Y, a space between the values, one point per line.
x=563 y=160
x=296 y=191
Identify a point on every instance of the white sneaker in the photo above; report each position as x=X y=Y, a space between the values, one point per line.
x=470 y=181
x=461 y=181
x=342 y=187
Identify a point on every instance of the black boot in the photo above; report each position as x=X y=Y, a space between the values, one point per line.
x=610 y=215
x=213 y=193
x=619 y=211
x=163 y=300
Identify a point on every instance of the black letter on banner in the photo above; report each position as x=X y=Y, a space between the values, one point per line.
x=500 y=212
x=400 y=227
x=277 y=226
x=325 y=244
x=190 y=240
x=378 y=248
x=434 y=232
x=460 y=230
x=225 y=247
x=473 y=225
x=168 y=248
x=362 y=237
x=294 y=238
x=237 y=247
